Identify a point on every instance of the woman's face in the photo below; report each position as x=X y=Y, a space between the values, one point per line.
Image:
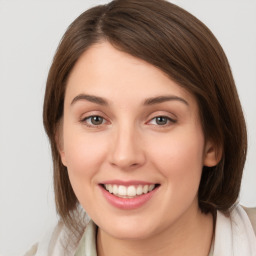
x=133 y=144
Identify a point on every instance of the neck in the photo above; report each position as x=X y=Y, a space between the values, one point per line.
x=188 y=236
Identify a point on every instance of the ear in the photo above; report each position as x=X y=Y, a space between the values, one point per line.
x=212 y=154
x=60 y=143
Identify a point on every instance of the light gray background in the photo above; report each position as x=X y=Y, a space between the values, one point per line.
x=29 y=34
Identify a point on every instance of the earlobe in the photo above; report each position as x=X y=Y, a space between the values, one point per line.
x=59 y=143
x=63 y=157
x=212 y=155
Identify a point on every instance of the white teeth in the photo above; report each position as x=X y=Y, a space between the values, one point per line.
x=139 y=190
x=130 y=191
x=122 y=191
x=110 y=188
x=145 y=189
x=115 y=189
x=151 y=187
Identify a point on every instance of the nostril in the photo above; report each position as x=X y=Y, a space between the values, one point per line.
x=126 y=152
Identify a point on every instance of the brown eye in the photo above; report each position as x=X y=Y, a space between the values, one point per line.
x=161 y=120
x=94 y=120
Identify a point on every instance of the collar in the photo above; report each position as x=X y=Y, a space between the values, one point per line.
x=234 y=235
x=87 y=245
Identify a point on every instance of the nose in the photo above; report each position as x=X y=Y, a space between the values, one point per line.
x=127 y=149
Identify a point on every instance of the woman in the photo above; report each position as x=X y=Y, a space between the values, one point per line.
x=147 y=137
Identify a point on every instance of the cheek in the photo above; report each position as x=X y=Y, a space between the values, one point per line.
x=179 y=158
x=180 y=163
x=84 y=154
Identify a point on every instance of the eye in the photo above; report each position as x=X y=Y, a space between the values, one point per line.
x=94 y=120
x=161 y=120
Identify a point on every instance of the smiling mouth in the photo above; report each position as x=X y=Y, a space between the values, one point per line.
x=129 y=191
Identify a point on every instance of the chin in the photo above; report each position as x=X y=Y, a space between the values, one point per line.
x=130 y=229
x=128 y=234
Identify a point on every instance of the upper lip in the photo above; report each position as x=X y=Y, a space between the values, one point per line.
x=128 y=182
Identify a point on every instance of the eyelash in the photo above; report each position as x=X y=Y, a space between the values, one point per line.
x=167 y=118
x=104 y=121
x=85 y=121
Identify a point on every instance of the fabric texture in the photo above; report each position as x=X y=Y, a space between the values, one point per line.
x=234 y=236
x=87 y=245
x=251 y=212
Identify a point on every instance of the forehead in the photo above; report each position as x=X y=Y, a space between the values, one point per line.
x=104 y=71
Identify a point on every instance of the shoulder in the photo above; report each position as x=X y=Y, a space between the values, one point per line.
x=251 y=212
x=50 y=244
x=234 y=232
x=60 y=239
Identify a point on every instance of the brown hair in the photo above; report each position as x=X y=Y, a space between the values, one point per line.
x=179 y=44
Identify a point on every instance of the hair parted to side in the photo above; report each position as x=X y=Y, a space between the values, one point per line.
x=179 y=44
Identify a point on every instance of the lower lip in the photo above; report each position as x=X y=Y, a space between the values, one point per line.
x=128 y=203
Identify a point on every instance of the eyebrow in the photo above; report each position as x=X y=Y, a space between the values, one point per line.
x=147 y=102
x=161 y=99
x=90 y=98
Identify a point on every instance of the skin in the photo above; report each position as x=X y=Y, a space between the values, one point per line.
x=130 y=144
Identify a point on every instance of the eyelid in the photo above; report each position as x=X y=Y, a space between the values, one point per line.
x=172 y=119
x=163 y=113
x=90 y=117
x=167 y=117
x=86 y=117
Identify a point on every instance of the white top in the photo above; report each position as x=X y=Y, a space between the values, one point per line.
x=234 y=236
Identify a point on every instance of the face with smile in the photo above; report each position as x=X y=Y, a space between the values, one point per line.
x=133 y=144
